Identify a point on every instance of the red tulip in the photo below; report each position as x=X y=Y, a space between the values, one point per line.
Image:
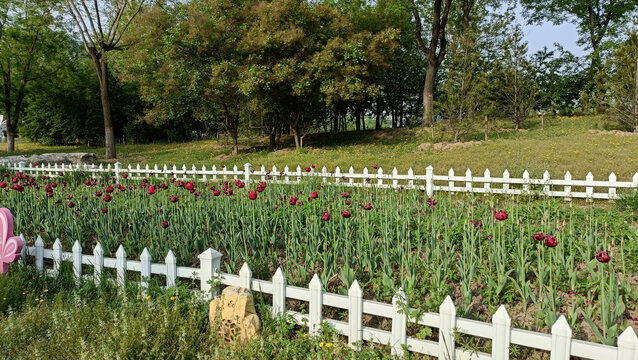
x=70 y=204
x=345 y=195
x=345 y=214
x=164 y=224
x=259 y=189
x=190 y=185
x=180 y=183
x=500 y=215
x=216 y=192
x=375 y=166
x=539 y=236
x=107 y=198
x=124 y=176
x=145 y=180
x=35 y=163
x=293 y=200
x=367 y=206
x=171 y=180
x=550 y=241
x=109 y=189
x=314 y=194
x=81 y=174
x=307 y=169
x=326 y=216
x=240 y=184
x=252 y=195
x=262 y=184
x=174 y=198
x=197 y=193
x=105 y=210
x=603 y=256
x=151 y=190
x=3 y=184
x=69 y=197
x=54 y=184
x=347 y=202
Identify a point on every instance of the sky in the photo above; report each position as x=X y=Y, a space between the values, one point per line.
x=539 y=36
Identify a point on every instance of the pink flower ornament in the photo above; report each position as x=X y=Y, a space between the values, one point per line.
x=10 y=246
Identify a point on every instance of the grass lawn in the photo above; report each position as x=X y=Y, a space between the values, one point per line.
x=566 y=144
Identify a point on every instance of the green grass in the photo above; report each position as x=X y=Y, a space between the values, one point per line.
x=564 y=145
x=43 y=317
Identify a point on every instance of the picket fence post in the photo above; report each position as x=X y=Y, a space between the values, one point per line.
x=429 y=180
x=525 y=182
x=248 y=168
x=501 y=322
x=355 y=315
x=25 y=252
x=627 y=345
x=57 y=256
x=546 y=180
x=506 y=182
x=568 y=188
x=118 y=169
x=278 y=293
x=589 y=190
x=209 y=266
x=612 y=189
x=399 y=337
x=487 y=185
x=98 y=265
x=21 y=166
x=171 y=269
x=447 y=316
x=245 y=276
x=468 y=181
x=450 y=183
x=39 y=254
x=145 y=271
x=120 y=265
x=561 y=340
x=77 y=262
x=316 y=303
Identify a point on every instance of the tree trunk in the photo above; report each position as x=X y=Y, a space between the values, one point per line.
x=378 y=116
x=428 y=97
x=636 y=98
x=486 y=129
x=11 y=139
x=272 y=137
x=109 y=133
x=357 y=115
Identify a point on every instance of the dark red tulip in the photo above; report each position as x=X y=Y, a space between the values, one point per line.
x=54 y=184
x=345 y=214
x=69 y=197
x=124 y=176
x=308 y=169
x=262 y=184
x=3 y=184
x=107 y=198
x=345 y=195
x=367 y=206
x=550 y=241
x=259 y=189
x=347 y=202
x=375 y=166
x=36 y=163
x=500 y=215
x=197 y=193
x=172 y=180
x=109 y=189
x=105 y=210
x=252 y=195
x=603 y=256
x=216 y=192
x=70 y=204
x=190 y=186
x=326 y=216
x=293 y=200
x=539 y=236
x=180 y=183
x=314 y=194
x=145 y=180
x=164 y=224
x=174 y=198
x=151 y=190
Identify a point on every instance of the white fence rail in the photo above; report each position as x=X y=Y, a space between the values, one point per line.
x=546 y=186
x=559 y=343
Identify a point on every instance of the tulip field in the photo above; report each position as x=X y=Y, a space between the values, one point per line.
x=542 y=258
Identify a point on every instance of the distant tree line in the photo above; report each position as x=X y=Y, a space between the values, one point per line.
x=102 y=72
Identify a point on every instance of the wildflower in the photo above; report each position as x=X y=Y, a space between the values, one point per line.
x=252 y=195
x=345 y=214
x=293 y=200
x=172 y=298
x=164 y=224
x=603 y=256
x=148 y=297
x=70 y=204
x=326 y=216
x=375 y=166
x=500 y=215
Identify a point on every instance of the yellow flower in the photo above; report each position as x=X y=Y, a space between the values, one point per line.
x=321 y=344
x=41 y=300
x=172 y=297
x=139 y=296
x=328 y=344
x=24 y=293
x=46 y=290
x=305 y=335
x=148 y=297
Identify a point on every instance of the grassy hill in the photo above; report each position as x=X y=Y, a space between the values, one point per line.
x=575 y=144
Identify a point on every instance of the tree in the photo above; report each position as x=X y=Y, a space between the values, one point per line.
x=101 y=25
x=434 y=51
x=596 y=19
x=621 y=83
x=512 y=86
x=30 y=38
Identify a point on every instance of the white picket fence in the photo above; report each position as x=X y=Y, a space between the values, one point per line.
x=429 y=182
x=559 y=343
